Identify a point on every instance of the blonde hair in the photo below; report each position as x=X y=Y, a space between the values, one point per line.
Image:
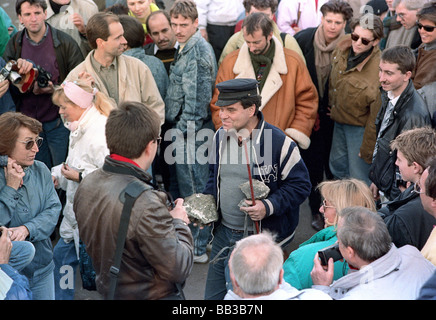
x=101 y=101
x=346 y=193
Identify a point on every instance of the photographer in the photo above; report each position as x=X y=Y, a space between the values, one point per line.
x=57 y=54
x=6 y=102
x=378 y=269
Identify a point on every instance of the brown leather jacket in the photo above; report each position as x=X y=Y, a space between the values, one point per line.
x=159 y=249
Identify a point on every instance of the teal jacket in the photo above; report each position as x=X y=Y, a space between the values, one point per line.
x=298 y=266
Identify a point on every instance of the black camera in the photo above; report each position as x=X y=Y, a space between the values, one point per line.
x=330 y=252
x=9 y=72
x=43 y=77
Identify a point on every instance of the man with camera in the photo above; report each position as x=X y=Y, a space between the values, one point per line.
x=54 y=53
x=158 y=250
x=378 y=269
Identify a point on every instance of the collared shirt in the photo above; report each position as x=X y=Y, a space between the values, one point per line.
x=390 y=108
x=109 y=76
x=33 y=43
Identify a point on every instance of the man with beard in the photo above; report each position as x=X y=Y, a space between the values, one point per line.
x=288 y=104
x=119 y=76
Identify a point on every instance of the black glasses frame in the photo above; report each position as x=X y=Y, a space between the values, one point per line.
x=365 y=41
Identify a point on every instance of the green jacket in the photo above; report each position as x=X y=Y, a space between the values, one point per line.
x=298 y=266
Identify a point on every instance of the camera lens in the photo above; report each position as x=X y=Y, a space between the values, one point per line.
x=14 y=77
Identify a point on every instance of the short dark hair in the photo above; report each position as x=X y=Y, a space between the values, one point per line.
x=260 y=4
x=401 y=55
x=133 y=31
x=430 y=183
x=249 y=101
x=428 y=12
x=155 y=13
x=256 y=21
x=185 y=8
x=98 y=27
x=38 y=3
x=10 y=123
x=370 y=22
x=337 y=6
x=130 y=128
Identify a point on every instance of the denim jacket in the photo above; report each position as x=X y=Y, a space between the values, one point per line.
x=35 y=205
x=192 y=78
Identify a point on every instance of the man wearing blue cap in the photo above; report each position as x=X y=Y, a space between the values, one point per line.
x=248 y=149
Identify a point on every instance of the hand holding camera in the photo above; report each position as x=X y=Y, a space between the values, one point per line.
x=323 y=268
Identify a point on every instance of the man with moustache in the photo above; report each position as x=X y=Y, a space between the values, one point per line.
x=164 y=40
x=118 y=76
x=402 y=109
x=192 y=76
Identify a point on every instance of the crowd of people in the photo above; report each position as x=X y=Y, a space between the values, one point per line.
x=105 y=104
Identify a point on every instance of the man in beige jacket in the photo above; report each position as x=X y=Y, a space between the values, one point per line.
x=119 y=76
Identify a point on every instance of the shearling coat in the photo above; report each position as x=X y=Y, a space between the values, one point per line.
x=135 y=82
x=289 y=97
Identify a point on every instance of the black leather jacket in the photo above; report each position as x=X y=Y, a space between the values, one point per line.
x=409 y=112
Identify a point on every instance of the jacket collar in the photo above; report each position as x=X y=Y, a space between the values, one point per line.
x=345 y=44
x=243 y=68
x=54 y=34
x=120 y=167
x=404 y=96
x=379 y=268
x=191 y=42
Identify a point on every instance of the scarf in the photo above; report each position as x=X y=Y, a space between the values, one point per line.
x=354 y=61
x=323 y=53
x=262 y=64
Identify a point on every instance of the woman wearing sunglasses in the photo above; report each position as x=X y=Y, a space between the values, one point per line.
x=425 y=72
x=354 y=98
x=29 y=204
x=337 y=195
x=85 y=111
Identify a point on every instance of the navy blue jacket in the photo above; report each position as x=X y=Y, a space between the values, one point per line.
x=279 y=165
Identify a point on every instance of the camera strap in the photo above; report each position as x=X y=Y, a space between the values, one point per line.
x=133 y=190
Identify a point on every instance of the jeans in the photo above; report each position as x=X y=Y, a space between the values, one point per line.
x=54 y=148
x=42 y=283
x=344 y=155
x=66 y=262
x=201 y=238
x=21 y=255
x=218 y=276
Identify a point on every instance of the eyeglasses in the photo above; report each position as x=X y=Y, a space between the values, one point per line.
x=30 y=143
x=417 y=188
x=365 y=41
x=324 y=205
x=426 y=28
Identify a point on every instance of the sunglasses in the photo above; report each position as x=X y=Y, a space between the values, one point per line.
x=30 y=143
x=365 y=41
x=426 y=28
